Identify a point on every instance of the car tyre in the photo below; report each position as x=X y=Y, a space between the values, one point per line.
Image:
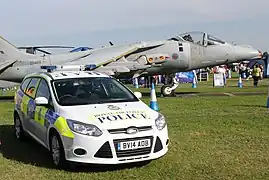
x=18 y=129
x=57 y=151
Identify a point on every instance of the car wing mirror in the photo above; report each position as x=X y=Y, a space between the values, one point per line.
x=138 y=95
x=41 y=101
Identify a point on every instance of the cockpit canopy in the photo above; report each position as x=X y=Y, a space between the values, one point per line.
x=198 y=37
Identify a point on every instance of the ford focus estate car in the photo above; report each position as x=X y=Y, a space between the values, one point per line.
x=88 y=117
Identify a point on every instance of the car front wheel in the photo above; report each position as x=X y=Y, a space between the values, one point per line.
x=57 y=151
x=18 y=129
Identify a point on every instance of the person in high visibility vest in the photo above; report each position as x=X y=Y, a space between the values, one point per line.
x=261 y=73
x=256 y=75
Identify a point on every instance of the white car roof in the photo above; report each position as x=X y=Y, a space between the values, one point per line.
x=68 y=74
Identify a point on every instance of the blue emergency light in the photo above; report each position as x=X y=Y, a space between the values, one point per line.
x=90 y=66
x=49 y=68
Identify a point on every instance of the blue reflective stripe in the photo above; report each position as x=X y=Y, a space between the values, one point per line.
x=18 y=98
x=18 y=101
x=20 y=93
x=51 y=116
x=31 y=108
x=18 y=107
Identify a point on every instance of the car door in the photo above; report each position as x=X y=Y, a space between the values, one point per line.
x=43 y=90
x=28 y=104
x=20 y=106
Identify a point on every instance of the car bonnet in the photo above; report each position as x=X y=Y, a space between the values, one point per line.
x=111 y=116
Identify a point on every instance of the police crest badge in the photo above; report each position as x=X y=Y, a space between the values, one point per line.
x=112 y=107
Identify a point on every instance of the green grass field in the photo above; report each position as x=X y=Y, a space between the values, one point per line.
x=7 y=93
x=210 y=138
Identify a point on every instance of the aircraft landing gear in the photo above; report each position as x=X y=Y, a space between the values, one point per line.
x=169 y=90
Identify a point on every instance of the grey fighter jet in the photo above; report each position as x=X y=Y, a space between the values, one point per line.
x=185 y=52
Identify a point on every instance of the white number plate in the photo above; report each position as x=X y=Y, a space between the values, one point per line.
x=128 y=145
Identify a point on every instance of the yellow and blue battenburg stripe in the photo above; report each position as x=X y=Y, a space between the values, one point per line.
x=45 y=117
x=51 y=117
x=31 y=108
x=18 y=99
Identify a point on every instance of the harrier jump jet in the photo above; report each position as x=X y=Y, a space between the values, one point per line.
x=185 y=52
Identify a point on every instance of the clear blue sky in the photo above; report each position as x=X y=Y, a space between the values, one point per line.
x=95 y=22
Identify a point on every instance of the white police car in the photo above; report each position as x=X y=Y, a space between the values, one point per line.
x=88 y=117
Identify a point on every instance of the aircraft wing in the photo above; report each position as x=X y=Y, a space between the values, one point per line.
x=104 y=56
x=111 y=59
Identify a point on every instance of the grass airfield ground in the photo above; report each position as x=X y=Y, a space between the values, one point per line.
x=211 y=137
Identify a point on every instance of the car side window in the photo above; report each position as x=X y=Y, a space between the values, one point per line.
x=43 y=90
x=31 y=88
x=24 y=84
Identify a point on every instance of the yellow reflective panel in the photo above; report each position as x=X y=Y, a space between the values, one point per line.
x=62 y=126
x=24 y=104
x=40 y=113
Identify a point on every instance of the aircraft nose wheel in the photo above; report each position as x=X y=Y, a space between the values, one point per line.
x=166 y=91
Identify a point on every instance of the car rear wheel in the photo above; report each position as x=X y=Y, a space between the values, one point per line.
x=18 y=129
x=57 y=151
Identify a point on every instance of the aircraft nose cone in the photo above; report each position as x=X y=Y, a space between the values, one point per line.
x=260 y=54
x=245 y=53
x=253 y=54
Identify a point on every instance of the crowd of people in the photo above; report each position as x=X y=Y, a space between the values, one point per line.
x=244 y=71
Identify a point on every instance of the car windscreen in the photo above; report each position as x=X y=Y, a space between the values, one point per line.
x=91 y=90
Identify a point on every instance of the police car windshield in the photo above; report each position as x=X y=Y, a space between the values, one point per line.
x=91 y=90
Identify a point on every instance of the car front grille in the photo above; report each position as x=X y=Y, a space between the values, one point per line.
x=105 y=150
x=133 y=152
x=123 y=130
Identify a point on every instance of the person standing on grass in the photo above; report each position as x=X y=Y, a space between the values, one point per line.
x=261 y=73
x=222 y=71
x=256 y=75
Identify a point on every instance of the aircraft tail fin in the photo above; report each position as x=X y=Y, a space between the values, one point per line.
x=10 y=52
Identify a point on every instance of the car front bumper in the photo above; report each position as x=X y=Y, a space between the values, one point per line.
x=103 y=149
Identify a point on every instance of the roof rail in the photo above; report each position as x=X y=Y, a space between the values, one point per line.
x=51 y=68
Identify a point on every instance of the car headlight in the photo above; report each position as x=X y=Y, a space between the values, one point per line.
x=160 y=122
x=85 y=129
